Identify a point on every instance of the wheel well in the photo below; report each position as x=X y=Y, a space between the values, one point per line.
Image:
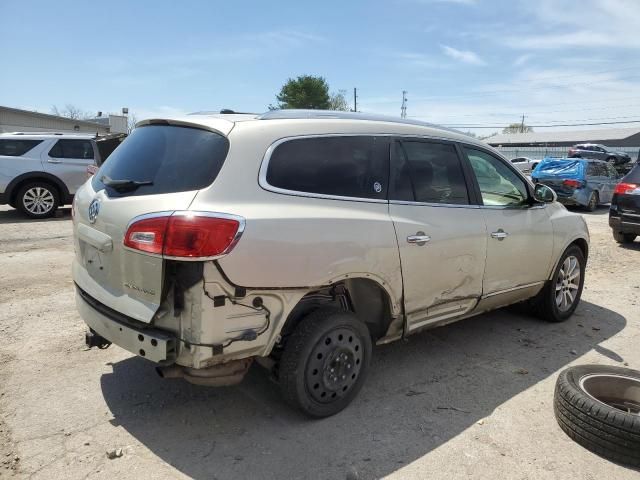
x=364 y=297
x=582 y=244
x=13 y=197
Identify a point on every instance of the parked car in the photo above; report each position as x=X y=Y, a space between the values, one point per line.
x=624 y=214
x=300 y=238
x=524 y=164
x=577 y=181
x=41 y=171
x=598 y=152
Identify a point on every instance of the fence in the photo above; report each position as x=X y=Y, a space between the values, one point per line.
x=538 y=153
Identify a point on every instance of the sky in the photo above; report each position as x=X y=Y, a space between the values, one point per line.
x=463 y=62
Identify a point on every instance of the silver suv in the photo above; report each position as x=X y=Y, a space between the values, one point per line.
x=299 y=239
x=41 y=171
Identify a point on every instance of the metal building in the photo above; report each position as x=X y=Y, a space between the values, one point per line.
x=612 y=137
x=16 y=120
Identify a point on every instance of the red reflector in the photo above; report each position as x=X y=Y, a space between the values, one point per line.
x=184 y=235
x=572 y=183
x=623 y=188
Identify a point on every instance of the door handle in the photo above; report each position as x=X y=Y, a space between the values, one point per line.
x=419 y=238
x=500 y=234
x=54 y=161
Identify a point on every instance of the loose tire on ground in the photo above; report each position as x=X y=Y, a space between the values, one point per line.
x=589 y=403
x=325 y=362
x=623 y=237
x=549 y=303
x=38 y=199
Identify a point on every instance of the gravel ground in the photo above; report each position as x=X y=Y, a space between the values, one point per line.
x=471 y=399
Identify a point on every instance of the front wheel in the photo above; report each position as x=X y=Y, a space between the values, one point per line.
x=560 y=297
x=325 y=362
x=623 y=237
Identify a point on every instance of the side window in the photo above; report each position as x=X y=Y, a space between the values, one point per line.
x=597 y=169
x=16 y=148
x=428 y=172
x=341 y=166
x=499 y=185
x=72 y=149
x=591 y=170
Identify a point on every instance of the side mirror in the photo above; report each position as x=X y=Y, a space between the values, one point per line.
x=542 y=193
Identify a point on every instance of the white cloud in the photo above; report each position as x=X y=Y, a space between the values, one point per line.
x=584 y=24
x=464 y=56
x=522 y=59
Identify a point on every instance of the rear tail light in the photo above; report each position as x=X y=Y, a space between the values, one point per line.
x=185 y=235
x=625 y=188
x=571 y=183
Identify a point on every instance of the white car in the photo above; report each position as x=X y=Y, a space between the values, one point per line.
x=297 y=239
x=524 y=164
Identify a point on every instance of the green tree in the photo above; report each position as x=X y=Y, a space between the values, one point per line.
x=517 y=128
x=338 y=101
x=306 y=91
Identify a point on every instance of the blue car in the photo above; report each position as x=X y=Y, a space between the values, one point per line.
x=578 y=181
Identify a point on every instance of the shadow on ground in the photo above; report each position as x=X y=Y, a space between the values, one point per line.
x=420 y=394
x=11 y=215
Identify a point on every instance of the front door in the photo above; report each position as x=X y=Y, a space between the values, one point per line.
x=68 y=160
x=519 y=233
x=441 y=236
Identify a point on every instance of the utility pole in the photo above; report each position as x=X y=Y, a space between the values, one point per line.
x=522 y=124
x=355 y=100
x=403 y=109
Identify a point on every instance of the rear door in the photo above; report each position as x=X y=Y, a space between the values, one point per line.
x=441 y=235
x=68 y=160
x=173 y=162
x=598 y=179
x=519 y=234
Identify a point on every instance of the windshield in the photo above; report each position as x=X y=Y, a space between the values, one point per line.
x=559 y=168
x=158 y=159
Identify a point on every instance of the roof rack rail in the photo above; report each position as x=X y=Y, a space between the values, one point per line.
x=37 y=133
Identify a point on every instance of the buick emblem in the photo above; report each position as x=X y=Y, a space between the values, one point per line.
x=94 y=209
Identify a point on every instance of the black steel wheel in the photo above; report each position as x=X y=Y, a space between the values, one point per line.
x=594 y=200
x=325 y=362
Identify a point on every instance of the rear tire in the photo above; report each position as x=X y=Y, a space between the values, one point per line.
x=325 y=362
x=594 y=200
x=588 y=404
x=623 y=237
x=38 y=199
x=560 y=297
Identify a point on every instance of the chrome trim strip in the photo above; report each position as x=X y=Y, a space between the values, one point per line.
x=513 y=289
x=189 y=213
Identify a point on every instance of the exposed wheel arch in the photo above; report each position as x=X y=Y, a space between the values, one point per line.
x=368 y=300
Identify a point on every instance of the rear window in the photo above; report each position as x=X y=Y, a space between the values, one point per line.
x=633 y=176
x=15 y=148
x=338 y=166
x=172 y=158
x=560 y=168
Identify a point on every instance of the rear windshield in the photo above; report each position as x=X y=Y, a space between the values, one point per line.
x=559 y=168
x=166 y=159
x=633 y=176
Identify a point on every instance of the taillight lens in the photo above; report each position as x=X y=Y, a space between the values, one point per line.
x=572 y=183
x=184 y=235
x=624 y=188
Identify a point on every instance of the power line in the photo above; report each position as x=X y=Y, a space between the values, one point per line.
x=542 y=126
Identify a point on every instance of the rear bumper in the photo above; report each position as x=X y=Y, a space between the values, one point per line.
x=624 y=225
x=153 y=344
x=579 y=197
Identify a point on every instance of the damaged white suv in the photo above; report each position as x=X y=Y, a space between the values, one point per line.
x=301 y=238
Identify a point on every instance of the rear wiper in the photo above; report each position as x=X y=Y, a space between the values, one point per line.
x=124 y=185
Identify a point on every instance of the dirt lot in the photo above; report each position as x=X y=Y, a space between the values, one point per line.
x=472 y=399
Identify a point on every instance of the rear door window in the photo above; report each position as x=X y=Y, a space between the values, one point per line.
x=16 y=148
x=342 y=166
x=163 y=159
x=79 y=149
x=428 y=172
